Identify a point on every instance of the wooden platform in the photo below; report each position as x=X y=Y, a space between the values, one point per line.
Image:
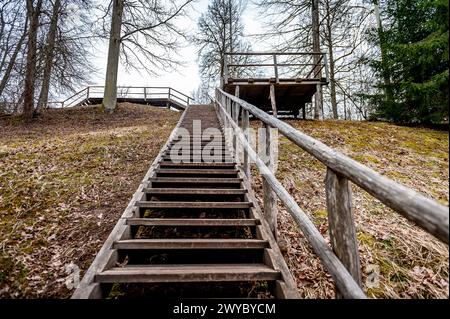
x=158 y=102
x=290 y=94
x=293 y=77
x=156 y=96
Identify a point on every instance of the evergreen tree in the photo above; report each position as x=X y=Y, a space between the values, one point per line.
x=415 y=42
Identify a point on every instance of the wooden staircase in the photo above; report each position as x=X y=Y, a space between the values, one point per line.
x=193 y=229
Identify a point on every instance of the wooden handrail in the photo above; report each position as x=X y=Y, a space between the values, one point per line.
x=94 y=89
x=272 y=53
x=347 y=286
x=272 y=64
x=425 y=212
x=342 y=259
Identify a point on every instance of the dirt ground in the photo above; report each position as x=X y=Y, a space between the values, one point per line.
x=411 y=263
x=65 y=179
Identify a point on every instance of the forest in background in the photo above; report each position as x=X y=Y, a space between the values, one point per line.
x=388 y=60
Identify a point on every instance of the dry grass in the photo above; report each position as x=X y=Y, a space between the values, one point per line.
x=412 y=263
x=64 y=181
x=66 y=178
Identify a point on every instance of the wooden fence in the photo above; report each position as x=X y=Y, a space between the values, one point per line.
x=126 y=92
x=342 y=259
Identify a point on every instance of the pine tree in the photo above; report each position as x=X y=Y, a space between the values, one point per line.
x=416 y=46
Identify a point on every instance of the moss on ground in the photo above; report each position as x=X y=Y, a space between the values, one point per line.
x=412 y=263
x=64 y=181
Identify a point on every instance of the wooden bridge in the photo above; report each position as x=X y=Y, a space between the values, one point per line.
x=194 y=228
x=158 y=96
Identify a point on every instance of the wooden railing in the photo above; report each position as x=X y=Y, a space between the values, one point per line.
x=132 y=92
x=294 y=65
x=342 y=259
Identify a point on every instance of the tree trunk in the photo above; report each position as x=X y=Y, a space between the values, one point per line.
x=316 y=48
x=110 y=96
x=230 y=7
x=12 y=61
x=345 y=108
x=385 y=72
x=329 y=41
x=334 y=105
x=48 y=63
x=30 y=74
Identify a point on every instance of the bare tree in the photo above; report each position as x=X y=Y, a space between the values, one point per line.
x=335 y=25
x=385 y=73
x=10 y=24
x=49 y=55
x=342 y=35
x=33 y=13
x=220 y=30
x=72 y=66
x=145 y=35
x=315 y=26
x=112 y=66
x=61 y=54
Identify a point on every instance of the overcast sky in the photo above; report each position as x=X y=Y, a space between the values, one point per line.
x=186 y=79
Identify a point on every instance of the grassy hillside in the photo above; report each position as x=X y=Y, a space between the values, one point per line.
x=66 y=178
x=412 y=263
x=64 y=181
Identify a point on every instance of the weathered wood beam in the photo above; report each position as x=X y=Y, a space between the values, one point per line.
x=273 y=101
x=341 y=224
x=269 y=196
x=424 y=211
x=343 y=279
x=246 y=128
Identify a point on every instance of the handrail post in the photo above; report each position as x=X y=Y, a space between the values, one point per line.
x=246 y=129
x=245 y=124
x=343 y=279
x=341 y=224
x=145 y=94
x=87 y=93
x=228 y=125
x=235 y=117
x=270 y=198
x=275 y=68
x=225 y=69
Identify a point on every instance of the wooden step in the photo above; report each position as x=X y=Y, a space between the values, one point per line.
x=198 y=165
x=191 y=180
x=222 y=147
x=194 y=191
x=188 y=273
x=232 y=171
x=198 y=138
x=185 y=243
x=197 y=152
x=189 y=205
x=191 y=222
x=198 y=156
x=202 y=143
x=197 y=159
x=220 y=141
